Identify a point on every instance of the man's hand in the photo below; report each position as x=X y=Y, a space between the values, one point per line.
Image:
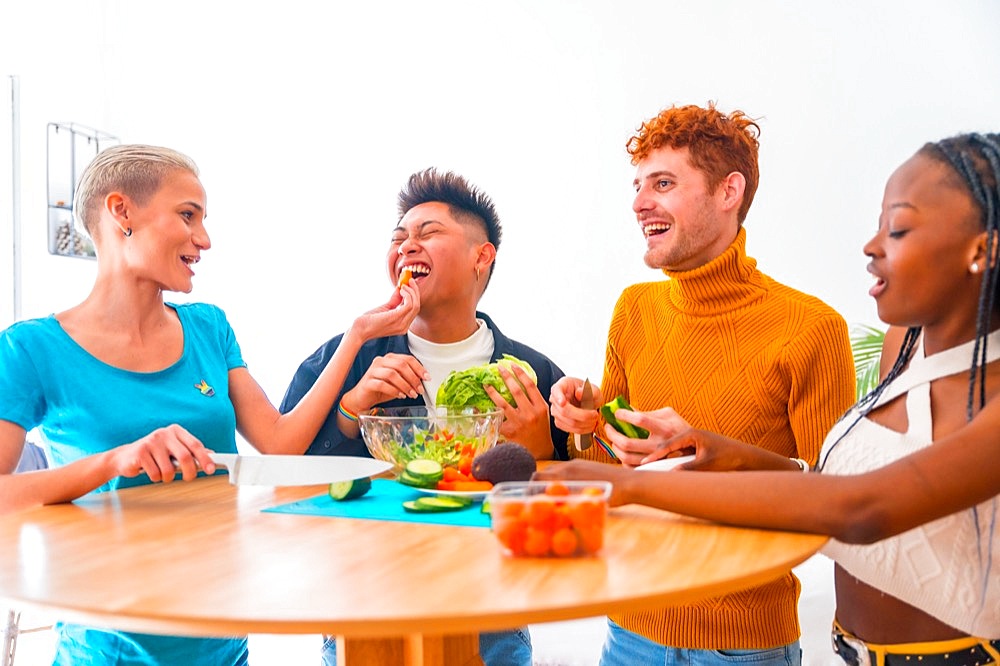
x=387 y=378
x=565 y=404
x=662 y=424
x=526 y=421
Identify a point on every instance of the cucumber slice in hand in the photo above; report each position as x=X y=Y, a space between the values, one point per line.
x=627 y=429
x=348 y=490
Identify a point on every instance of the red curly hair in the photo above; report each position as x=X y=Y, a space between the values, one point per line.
x=717 y=144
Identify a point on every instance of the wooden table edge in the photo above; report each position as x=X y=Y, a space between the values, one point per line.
x=454 y=625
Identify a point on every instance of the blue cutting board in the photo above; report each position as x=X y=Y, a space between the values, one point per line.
x=384 y=502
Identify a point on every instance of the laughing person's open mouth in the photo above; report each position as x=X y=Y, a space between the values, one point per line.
x=655 y=228
x=415 y=271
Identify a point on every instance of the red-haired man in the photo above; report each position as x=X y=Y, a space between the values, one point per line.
x=725 y=346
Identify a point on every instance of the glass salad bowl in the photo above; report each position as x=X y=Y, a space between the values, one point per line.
x=400 y=435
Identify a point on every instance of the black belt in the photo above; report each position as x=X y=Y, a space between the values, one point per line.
x=975 y=655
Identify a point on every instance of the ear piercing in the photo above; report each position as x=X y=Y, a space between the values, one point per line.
x=127 y=233
x=974 y=268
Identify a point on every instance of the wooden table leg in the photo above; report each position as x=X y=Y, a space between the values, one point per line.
x=411 y=650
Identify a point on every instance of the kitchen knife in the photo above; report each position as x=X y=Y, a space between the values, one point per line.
x=586 y=440
x=277 y=470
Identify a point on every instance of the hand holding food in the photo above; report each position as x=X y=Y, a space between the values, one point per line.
x=391 y=318
x=647 y=431
x=624 y=427
x=526 y=414
x=509 y=385
x=564 y=402
x=387 y=378
x=466 y=388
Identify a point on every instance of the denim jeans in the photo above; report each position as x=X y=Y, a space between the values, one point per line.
x=506 y=648
x=624 y=648
x=32 y=458
x=503 y=648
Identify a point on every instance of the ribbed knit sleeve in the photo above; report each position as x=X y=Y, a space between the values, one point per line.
x=821 y=367
x=614 y=381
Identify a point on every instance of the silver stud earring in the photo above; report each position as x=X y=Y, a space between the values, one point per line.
x=974 y=268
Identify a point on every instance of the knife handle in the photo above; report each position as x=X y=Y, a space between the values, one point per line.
x=226 y=460
x=584 y=441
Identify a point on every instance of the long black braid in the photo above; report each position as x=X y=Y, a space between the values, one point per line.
x=975 y=158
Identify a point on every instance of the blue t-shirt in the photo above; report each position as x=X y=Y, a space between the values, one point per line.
x=84 y=406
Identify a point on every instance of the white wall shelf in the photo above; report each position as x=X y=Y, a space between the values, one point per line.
x=70 y=147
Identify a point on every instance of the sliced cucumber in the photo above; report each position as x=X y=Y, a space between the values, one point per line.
x=627 y=429
x=348 y=490
x=436 y=504
x=448 y=500
x=410 y=480
x=426 y=471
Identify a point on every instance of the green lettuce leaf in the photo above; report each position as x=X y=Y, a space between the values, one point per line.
x=464 y=388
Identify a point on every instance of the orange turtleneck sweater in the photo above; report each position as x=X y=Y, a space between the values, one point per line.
x=734 y=352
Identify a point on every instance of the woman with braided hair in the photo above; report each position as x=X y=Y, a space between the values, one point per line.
x=906 y=483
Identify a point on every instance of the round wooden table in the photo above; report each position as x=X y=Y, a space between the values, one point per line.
x=201 y=558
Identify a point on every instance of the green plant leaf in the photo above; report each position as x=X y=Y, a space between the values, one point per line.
x=866 y=345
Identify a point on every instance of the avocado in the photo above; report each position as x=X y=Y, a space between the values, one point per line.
x=507 y=461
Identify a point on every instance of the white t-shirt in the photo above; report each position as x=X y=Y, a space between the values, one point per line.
x=441 y=359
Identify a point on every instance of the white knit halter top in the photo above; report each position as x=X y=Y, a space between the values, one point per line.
x=949 y=568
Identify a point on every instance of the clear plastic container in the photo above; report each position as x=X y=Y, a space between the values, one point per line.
x=550 y=518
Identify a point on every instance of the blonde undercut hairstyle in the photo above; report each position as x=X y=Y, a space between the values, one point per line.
x=135 y=170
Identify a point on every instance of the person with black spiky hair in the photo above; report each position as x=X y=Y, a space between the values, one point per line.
x=445 y=245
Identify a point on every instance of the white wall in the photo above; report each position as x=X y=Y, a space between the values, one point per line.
x=306 y=119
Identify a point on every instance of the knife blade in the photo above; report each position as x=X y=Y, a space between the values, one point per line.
x=586 y=440
x=285 y=470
